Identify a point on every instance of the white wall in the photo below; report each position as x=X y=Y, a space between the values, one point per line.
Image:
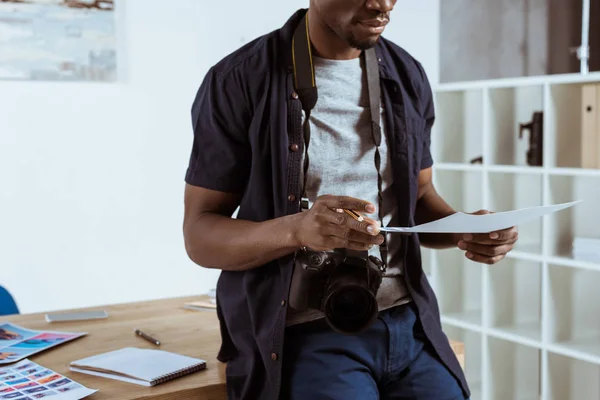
x=91 y=175
x=415 y=25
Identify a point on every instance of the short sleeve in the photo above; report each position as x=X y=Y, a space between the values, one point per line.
x=427 y=105
x=220 y=155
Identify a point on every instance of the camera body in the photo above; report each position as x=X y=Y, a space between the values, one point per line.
x=343 y=284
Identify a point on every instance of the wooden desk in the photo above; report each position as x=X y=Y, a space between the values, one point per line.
x=192 y=333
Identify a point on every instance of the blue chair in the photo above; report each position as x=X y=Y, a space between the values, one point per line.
x=7 y=303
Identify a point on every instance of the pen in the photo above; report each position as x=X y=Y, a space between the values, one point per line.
x=147 y=337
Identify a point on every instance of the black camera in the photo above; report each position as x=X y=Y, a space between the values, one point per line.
x=342 y=284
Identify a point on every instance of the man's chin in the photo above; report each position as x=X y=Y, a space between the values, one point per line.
x=365 y=44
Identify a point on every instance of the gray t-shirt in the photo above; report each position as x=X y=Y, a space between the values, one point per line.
x=342 y=162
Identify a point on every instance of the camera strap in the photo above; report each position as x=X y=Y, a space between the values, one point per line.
x=306 y=88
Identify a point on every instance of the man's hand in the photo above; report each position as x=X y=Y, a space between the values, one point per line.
x=488 y=248
x=322 y=228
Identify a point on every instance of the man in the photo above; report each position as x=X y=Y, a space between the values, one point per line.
x=251 y=125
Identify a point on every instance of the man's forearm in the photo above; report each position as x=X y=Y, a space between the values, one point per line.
x=220 y=242
x=430 y=207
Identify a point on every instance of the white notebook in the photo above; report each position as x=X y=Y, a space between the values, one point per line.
x=145 y=367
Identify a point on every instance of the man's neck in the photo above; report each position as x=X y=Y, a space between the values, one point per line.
x=326 y=43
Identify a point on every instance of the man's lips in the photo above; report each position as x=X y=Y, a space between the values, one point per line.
x=374 y=26
x=376 y=23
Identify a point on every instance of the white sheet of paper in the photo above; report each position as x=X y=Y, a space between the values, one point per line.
x=467 y=223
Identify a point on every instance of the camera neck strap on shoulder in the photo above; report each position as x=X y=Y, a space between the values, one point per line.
x=306 y=87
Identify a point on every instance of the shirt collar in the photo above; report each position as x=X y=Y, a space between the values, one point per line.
x=287 y=33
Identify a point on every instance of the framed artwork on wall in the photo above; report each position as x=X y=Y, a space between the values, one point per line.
x=58 y=40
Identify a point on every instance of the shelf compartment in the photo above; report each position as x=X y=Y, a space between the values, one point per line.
x=564 y=127
x=509 y=191
x=511 y=108
x=457 y=131
x=459 y=286
x=514 y=371
x=579 y=221
x=515 y=298
x=569 y=378
x=460 y=189
x=473 y=358
x=573 y=317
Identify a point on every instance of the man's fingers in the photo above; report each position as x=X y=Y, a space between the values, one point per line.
x=365 y=238
x=347 y=233
x=349 y=203
x=374 y=224
x=481 y=212
x=505 y=236
x=485 y=250
x=484 y=259
x=335 y=242
x=368 y=226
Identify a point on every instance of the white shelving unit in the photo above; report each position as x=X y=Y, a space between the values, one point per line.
x=531 y=323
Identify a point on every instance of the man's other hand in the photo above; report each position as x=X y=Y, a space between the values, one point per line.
x=488 y=248
x=322 y=228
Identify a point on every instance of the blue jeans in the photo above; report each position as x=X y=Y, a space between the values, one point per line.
x=390 y=360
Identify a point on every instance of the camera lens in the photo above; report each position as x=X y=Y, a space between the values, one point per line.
x=350 y=308
x=315 y=260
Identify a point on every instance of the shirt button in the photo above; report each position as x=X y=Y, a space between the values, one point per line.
x=274 y=356
x=294 y=147
x=295 y=96
x=291 y=197
x=282 y=303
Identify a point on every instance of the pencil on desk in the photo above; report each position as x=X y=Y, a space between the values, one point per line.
x=147 y=337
